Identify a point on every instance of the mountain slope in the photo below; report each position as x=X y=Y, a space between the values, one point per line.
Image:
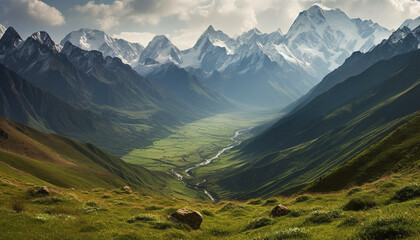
x=63 y=162
x=188 y=88
x=328 y=131
x=90 y=39
x=396 y=153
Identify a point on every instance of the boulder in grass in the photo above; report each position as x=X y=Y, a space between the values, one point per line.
x=126 y=189
x=43 y=191
x=190 y=217
x=279 y=211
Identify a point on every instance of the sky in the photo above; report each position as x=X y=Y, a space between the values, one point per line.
x=183 y=21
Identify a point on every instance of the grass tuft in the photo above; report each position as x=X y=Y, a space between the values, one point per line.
x=319 y=217
x=353 y=191
x=302 y=198
x=288 y=234
x=408 y=192
x=219 y=232
x=142 y=218
x=259 y=222
x=387 y=228
x=358 y=204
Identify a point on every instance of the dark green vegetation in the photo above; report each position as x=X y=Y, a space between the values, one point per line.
x=397 y=152
x=330 y=130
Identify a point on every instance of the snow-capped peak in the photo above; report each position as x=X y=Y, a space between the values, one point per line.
x=249 y=37
x=45 y=39
x=329 y=36
x=161 y=50
x=217 y=38
x=411 y=23
x=91 y=39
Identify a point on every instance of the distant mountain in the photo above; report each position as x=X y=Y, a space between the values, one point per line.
x=331 y=129
x=90 y=39
x=411 y=23
x=325 y=38
x=269 y=69
x=60 y=161
x=401 y=41
x=160 y=50
x=210 y=51
x=188 y=87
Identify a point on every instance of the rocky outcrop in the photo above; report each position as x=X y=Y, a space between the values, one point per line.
x=190 y=217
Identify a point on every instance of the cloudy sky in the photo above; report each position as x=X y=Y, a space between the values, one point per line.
x=184 y=20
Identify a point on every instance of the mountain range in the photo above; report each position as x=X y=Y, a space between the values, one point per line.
x=282 y=66
x=103 y=86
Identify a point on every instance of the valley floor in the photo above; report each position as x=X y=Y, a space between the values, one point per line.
x=194 y=143
x=374 y=211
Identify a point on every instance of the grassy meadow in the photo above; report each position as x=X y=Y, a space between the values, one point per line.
x=386 y=207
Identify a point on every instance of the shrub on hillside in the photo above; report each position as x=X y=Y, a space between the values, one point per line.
x=142 y=218
x=357 y=204
x=207 y=213
x=153 y=208
x=387 y=228
x=318 y=217
x=270 y=202
x=408 y=192
x=259 y=222
x=302 y=198
x=255 y=202
x=350 y=221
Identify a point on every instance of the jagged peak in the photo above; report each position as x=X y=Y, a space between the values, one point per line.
x=210 y=28
x=10 y=38
x=43 y=38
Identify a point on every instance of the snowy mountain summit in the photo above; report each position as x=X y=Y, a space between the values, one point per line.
x=89 y=39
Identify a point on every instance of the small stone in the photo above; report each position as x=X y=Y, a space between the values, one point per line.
x=126 y=189
x=190 y=217
x=279 y=211
x=43 y=191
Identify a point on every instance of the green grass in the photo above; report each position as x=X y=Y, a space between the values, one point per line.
x=81 y=214
x=193 y=142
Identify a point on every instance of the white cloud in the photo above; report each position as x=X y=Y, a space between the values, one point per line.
x=30 y=11
x=105 y=16
x=138 y=37
x=232 y=16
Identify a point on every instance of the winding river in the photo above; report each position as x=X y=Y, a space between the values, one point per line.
x=235 y=143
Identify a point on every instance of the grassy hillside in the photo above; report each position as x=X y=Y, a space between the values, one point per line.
x=102 y=213
x=332 y=129
x=63 y=162
x=397 y=152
